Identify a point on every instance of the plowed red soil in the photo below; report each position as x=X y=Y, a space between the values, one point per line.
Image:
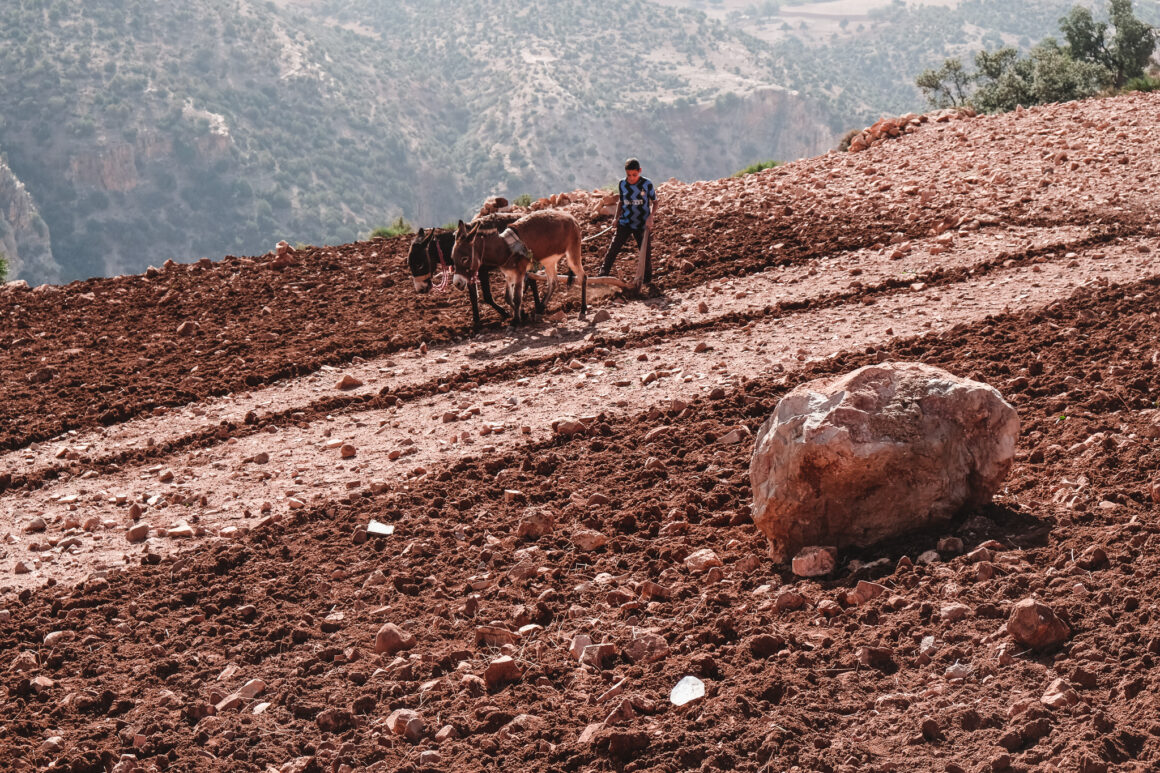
x=133 y=660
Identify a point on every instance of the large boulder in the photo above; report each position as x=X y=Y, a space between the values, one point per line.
x=879 y=452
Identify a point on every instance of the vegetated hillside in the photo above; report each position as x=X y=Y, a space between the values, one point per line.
x=861 y=58
x=146 y=130
x=24 y=239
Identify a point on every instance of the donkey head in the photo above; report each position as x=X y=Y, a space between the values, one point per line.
x=419 y=259
x=463 y=254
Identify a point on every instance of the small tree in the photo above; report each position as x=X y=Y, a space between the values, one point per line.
x=3 y=267
x=1132 y=43
x=948 y=86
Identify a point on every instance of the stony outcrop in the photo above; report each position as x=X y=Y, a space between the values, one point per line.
x=889 y=128
x=24 y=237
x=879 y=452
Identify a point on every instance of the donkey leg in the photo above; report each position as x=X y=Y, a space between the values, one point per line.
x=531 y=283
x=518 y=296
x=550 y=289
x=485 y=284
x=474 y=295
x=517 y=312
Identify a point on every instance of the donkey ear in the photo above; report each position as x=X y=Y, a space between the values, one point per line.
x=421 y=235
x=462 y=227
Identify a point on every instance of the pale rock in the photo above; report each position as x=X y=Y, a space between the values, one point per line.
x=588 y=540
x=252 y=689
x=137 y=532
x=597 y=655
x=348 y=382
x=789 y=600
x=35 y=526
x=501 y=671
x=702 y=561
x=188 y=328
x=535 y=524
x=952 y=613
x=815 y=561
x=646 y=648
x=407 y=723
x=883 y=451
x=579 y=642
x=1059 y=695
x=568 y=427
x=865 y=591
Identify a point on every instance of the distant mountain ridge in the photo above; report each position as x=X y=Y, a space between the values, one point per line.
x=146 y=131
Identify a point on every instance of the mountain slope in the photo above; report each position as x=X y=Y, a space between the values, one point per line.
x=24 y=238
x=146 y=131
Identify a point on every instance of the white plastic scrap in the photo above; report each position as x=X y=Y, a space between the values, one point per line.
x=380 y=529
x=687 y=690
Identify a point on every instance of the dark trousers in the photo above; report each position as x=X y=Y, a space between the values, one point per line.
x=618 y=242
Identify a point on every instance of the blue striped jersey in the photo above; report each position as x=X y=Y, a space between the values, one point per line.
x=636 y=202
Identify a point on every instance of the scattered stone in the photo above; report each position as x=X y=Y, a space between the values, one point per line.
x=348 y=382
x=392 y=639
x=1059 y=695
x=1035 y=625
x=579 y=642
x=863 y=592
x=601 y=315
x=702 y=561
x=881 y=658
x=588 y=540
x=188 y=328
x=568 y=427
x=536 y=524
x=501 y=671
x=430 y=758
x=252 y=689
x=952 y=545
x=952 y=613
x=815 y=561
x=376 y=529
x=789 y=600
x=42 y=684
x=646 y=648
x=406 y=723
x=596 y=655
x=35 y=526
x=348 y=451
x=137 y=532
x=880 y=452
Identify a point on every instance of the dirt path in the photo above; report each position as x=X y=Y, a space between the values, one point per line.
x=221 y=490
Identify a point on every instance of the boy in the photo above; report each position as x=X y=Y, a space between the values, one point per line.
x=634 y=216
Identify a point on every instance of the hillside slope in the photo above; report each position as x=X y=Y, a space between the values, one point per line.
x=24 y=238
x=207 y=529
x=146 y=131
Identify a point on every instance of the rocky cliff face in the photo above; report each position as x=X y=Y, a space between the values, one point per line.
x=24 y=237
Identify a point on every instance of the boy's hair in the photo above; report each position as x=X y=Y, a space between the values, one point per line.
x=631 y=164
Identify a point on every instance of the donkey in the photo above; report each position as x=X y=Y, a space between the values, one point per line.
x=545 y=236
x=431 y=254
x=479 y=248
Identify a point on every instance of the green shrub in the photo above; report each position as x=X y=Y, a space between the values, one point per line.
x=3 y=267
x=759 y=166
x=1144 y=83
x=523 y=200
x=396 y=228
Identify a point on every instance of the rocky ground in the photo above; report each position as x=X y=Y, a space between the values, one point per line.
x=221 y=482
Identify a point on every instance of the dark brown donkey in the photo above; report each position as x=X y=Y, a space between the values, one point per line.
x=544 y=236
x=430 y=257
x=479 y=249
